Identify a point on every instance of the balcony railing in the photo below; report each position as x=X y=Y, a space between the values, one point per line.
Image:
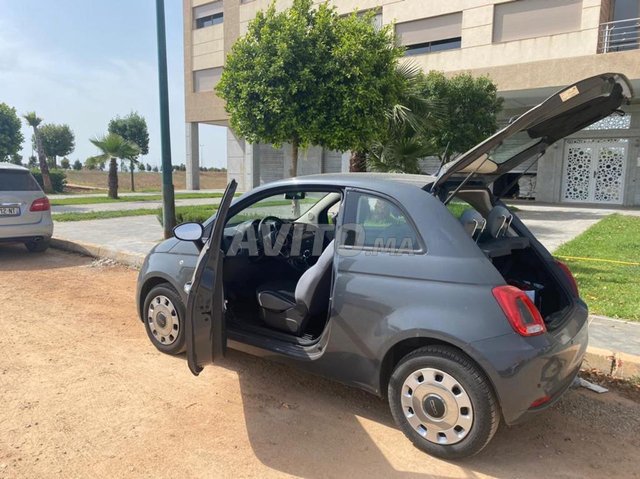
x=619 y=35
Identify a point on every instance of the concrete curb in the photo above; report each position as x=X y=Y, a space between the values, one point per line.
x=620 y=365
x=97 y=251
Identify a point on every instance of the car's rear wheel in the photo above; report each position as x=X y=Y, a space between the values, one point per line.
x=37 y=246
x=164 y=314
x=443 y=403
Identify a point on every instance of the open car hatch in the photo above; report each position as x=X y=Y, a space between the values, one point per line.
x=562 y=114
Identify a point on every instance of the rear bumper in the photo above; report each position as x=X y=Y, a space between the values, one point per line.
x=540 y=368
x=16 y=233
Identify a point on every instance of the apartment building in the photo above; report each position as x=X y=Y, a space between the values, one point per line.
x=530 y=48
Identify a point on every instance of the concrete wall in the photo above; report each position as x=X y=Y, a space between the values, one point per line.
x=256 y=164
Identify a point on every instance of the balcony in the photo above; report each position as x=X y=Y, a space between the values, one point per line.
x=619 y=36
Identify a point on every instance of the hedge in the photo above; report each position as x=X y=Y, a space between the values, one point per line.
x=58 y=179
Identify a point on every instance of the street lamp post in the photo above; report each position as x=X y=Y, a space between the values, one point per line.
x=168 y=202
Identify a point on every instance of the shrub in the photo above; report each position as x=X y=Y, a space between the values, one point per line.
x=186 y=214
x=58 y=179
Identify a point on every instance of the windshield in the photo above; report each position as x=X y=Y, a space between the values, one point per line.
x=278 y=206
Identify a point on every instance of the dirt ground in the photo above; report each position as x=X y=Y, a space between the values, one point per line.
x=143 y=180
x=84 y=394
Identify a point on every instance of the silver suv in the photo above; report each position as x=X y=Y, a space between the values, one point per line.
x=25 y=212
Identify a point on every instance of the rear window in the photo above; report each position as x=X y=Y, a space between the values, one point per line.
x=17 y=181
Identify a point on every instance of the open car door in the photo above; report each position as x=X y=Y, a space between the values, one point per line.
x=204 y=323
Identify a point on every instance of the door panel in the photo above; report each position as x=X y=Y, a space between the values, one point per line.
x=609 y=174
x=204 y=322
x=594 y=171
x=577 y=173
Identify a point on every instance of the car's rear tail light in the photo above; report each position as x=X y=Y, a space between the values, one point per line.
x=572 y=280
x=521 y=313
x=41 y=204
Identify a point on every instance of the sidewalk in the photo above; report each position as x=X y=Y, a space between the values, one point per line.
x=126 y=240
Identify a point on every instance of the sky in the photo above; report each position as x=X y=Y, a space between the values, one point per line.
x=83 y=62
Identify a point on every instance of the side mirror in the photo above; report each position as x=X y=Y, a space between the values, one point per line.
x=189 y=232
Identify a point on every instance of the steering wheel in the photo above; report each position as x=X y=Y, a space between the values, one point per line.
x=274 y=224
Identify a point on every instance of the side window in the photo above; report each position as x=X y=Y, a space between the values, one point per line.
x=375 y=223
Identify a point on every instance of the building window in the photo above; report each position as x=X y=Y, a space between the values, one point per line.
x=431 y=34
x=535 y=18
x=207 y=15
x=206 y=80
x=626 y=10
x=437 y=46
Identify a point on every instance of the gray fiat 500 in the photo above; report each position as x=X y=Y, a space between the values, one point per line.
x=425 y=289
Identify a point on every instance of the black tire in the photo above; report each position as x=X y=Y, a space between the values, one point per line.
x=37 y=246
x=170 y=345
x=485 y=409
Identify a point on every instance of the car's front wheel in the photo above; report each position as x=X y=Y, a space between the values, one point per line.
x=443 y=403
x=164 y=314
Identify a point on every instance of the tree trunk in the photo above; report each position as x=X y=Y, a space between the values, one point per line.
x=133 y=187
x=42 y=160
x=294 y=159
x=357 y=162
x=113 y=179
x=295 y=204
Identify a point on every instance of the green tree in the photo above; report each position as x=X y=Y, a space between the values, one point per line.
x=133 y=128
x=10 y=135
x=32 y=162
x=113 y=148
x=34 y=121
x=65 y=163
x=148 y=167
x=307 y=76
x=471 y=108
x=57 y=140
x=77 y=165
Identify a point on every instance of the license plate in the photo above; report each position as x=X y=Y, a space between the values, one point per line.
x=9 y=211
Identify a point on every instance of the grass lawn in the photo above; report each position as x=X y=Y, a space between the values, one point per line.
x=144 y=180
x=125 y=198
x=610 y=289
x=183 y=213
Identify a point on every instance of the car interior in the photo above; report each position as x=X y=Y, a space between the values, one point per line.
x=278 y=265
x=489 y=225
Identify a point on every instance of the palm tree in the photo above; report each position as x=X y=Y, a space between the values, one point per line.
x=113 y=147
x=409 y=121
x=34 y=121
